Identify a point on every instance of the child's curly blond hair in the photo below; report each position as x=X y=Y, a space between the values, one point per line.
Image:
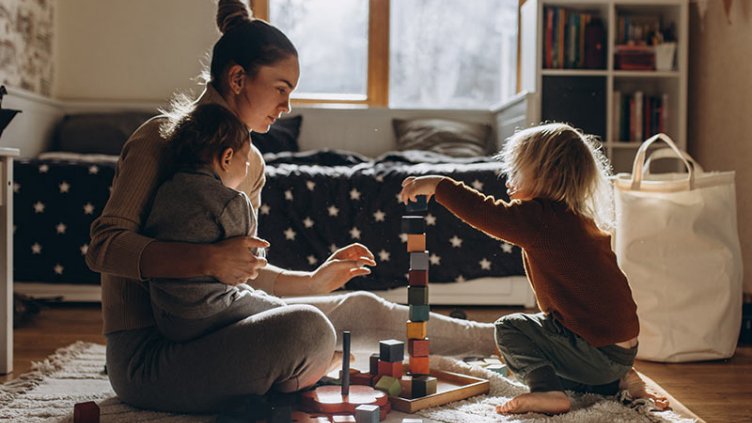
x=564 y=165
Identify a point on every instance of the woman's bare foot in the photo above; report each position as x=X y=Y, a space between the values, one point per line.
x=552 y=402
x=637 y=388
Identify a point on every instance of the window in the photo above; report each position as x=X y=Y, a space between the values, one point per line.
x=403 y=53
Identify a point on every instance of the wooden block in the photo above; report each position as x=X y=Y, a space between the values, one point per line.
x=419 y=347
x=424 y=385
x=416 y=242
x=413 y=224
x=86 y=412
x=417 y=277
x=390 y=368
x=374 y=364
x=420 y=313
x=367 y=414
x=416 y=330
x=342 y=419
x=391 y=350
x=390 y=385
x=362 y=378
x=419 y=260
x=417 y=295
x=501 y=369
x=406 y=383
x=420 y=204
x=419 y=366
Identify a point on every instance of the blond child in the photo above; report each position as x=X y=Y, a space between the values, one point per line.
x=585 y=337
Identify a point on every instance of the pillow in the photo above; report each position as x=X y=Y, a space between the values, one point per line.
x=97 y=133
x=281 y=136
x=450 y=137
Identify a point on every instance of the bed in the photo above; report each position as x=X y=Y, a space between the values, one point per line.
x=313 y=202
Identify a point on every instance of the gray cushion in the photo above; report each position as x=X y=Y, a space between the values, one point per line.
x=450 y=137
x=97 y=133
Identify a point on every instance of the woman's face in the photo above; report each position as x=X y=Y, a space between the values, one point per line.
x=264 y=97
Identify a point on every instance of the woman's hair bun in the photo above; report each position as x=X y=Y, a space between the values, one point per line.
x=231 y=13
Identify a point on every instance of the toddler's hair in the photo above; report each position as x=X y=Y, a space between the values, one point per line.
x=203 y=134
x=562 y=164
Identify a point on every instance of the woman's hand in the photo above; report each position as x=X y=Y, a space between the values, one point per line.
x=231 y=261
x=346 y=263
x=413 y=186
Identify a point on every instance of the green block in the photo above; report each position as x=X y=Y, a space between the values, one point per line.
x=389 y=385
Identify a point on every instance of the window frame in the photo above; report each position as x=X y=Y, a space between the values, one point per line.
x=377 y=92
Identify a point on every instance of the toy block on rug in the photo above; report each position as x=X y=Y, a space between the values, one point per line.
x=86 y=412
x=367 y=414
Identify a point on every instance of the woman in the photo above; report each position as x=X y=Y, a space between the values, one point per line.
x=253 y=71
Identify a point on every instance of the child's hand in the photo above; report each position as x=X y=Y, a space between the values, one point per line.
x=424 y=185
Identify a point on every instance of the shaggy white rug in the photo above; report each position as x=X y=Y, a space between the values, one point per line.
x=74 y=374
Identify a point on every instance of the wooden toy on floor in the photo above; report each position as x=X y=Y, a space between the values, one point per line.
x=86 y=412
x=367 y=414
x=343 y=400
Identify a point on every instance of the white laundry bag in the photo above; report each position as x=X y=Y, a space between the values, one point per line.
x=676 y=240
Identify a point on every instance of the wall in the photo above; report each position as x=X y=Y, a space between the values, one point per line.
x=720 y=101
x=134 y=50
x=26 y=44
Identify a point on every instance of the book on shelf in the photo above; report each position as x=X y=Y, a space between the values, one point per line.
x=638 y=116
x=572 y=39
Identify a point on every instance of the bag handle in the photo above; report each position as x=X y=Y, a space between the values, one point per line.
x=639 y=161
x=667 y=153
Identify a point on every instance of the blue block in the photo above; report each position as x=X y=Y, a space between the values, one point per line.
x=391 y=350
x=419 y=313
x=419 y=205
x=413 y=224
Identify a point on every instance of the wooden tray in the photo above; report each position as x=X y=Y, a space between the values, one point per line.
x=450 y=387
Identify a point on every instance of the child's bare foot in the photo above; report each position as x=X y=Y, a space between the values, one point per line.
x=552 y=402
x=637 y=388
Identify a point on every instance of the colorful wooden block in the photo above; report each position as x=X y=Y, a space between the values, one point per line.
x=419 y=261
x=367 y=414
x=390 y=385
x=419 y=366
x=390 y=368
x=420 y=204
x=413 y=224
x=86 y=412
x=417 y=295
x=391 y=350
x=420 y=313
x=501 y=369
x=424 y=385
x=416 y=330
x=343 y=419
x=417 y=277
x=419 y=347
x=373 y=362
x=416 y=242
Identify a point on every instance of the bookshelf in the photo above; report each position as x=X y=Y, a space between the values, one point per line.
x=606 y=76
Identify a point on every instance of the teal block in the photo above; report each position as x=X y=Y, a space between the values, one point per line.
x=419 y=313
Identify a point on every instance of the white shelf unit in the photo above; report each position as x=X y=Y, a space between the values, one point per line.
x=537 y=79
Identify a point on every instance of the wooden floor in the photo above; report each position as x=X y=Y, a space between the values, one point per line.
x=719 y=391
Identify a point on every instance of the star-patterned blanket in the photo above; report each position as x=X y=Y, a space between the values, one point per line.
x=312 y=204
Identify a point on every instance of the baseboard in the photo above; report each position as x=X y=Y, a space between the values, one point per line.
x=511 y=290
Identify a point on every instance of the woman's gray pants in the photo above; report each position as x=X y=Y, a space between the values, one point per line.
x=286 y=348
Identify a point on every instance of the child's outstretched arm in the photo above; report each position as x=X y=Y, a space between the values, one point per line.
x=413 y=186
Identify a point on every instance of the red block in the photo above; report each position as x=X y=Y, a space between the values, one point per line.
x=419 y=366
x=418 y=347
x=417 y=277
x=393 y=369
x=86 y=412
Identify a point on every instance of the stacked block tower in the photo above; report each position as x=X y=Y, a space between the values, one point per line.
x=418 y=344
